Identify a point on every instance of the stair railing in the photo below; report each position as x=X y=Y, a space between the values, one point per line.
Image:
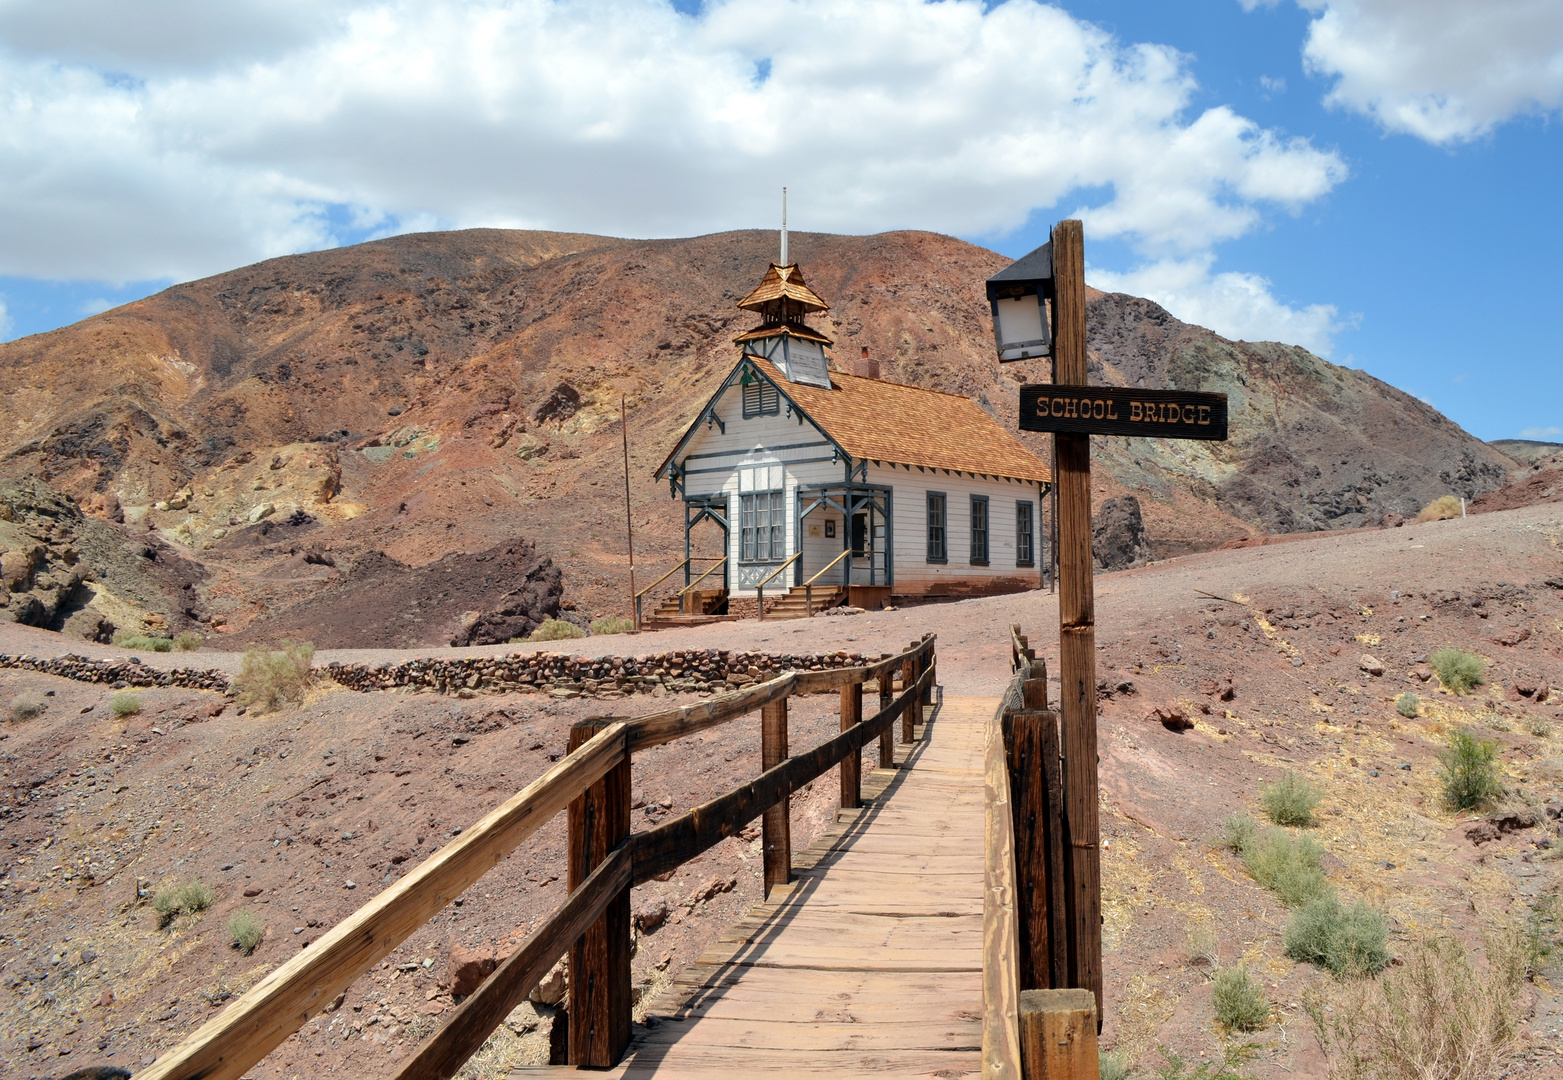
x=759 y=590
x=687 y=589
x=808 y=586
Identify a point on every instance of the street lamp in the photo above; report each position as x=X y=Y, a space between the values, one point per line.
x=1018 y=295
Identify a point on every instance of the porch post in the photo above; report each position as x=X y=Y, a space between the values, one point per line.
x=686 y=547
x=889 y=539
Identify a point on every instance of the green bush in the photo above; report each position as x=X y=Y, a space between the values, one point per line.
x=142 y=643
x=612 y=624
x=246 y=930
x=1240 y=1004
x=1238 y=832
x=1343 y=940
x=26 y=706
x=555 y=630
x=190 y=898
x=125 y=704
x=1459 y=671
x=1287 y=865
x=188 y=641
x=270 y=679
x=1290 y=800
x=1407 y=705
x=1469 y=769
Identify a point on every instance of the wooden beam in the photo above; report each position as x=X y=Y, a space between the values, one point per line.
x=1077 y=624
x=1058 y=1035
x=776 y=824
x=852 y=764
x=1000 y=934
x=443 y=1053
x=599 y=822
x=229 y=1044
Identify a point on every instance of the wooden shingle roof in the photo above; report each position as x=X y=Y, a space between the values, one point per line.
x=783 y=283
x=907 y=425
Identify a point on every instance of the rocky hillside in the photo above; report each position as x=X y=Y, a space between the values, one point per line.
x=457 y=394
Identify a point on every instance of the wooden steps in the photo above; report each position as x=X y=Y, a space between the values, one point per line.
x=705 y=606
x=869 y=962
x=796 y=604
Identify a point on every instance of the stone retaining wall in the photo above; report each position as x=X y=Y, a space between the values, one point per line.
x=119 y=674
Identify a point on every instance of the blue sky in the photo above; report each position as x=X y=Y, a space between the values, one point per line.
x=1373 y=179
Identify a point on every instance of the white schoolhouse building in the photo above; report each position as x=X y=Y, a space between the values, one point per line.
x=833 y=487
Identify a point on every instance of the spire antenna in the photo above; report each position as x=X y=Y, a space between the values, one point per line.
x=784 y=228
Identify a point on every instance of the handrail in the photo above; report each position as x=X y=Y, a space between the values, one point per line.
x=759 y=590
x=230 y=1043
x=844 y=553
x=236 y=1039
x=702 y=577
x=676 y=568
x=808 y=586
x=1000 y=923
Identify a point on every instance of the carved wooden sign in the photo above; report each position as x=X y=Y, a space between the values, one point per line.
x=1121 y=410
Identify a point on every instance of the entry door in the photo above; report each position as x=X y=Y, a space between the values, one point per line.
x=859 y=535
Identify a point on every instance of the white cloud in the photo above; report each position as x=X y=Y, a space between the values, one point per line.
x=94 y=306
x=175 y=139
x=1443 y=70
x=1542 y=434
x=1234 y=305
x=5 y=323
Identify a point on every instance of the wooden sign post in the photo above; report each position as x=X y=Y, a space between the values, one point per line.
x=1074 y=411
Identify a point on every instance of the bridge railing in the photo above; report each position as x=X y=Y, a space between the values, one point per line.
x=592 y=784
x=1034 y=1024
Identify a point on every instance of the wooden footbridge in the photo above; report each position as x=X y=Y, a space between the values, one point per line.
x=898 y=944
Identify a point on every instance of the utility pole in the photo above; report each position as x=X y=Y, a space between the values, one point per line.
x=629 y=523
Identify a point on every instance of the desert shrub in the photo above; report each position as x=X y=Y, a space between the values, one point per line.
x=142 y=642
x=1228 y=1068
x=188 y=641
x=1437 y=1015
x=1113 y=1065
x=26 y=706
x=612 y=624
x=1199 y=941
x=1441 y=508
x=1407 y=704
x=1539 y=726
x=246 y=929
x=269 y=679
x=125 y=704
x=189 y=898
x=1468 y=767
x=1290 y=800
x=1498 y=723
x=1287 y=865
x=1240 y=1004
x=555 y=630
x=1458 y=671
x=1342 y=940
x=1238 y=831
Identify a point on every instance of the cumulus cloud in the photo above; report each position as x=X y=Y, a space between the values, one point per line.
x=5 y=322
x=184 y=137
x=1442 y=70
x=1234 y=305
x=1543 y=434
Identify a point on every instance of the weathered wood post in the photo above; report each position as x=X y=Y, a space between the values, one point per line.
x=912 y=712
x=1031 y=750
x=1058 y=1035
x=599 y=1002
x=852 y=764
x=775 y=824
x=886 y=693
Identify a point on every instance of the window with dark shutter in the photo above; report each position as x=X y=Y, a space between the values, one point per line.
x=1025 y=533
x=979 y=530
x=761 y=399
x=938 y=550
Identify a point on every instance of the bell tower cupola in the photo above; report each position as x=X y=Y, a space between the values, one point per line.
x=783 y=301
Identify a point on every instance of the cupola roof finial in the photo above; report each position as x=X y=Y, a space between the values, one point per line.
x=784 y=229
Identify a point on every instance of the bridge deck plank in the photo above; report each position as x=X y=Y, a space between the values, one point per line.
x=869 y=963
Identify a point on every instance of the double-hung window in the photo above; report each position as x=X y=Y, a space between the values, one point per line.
x=762 y=510
x=938 y=545
x=1025 y=533
x=979 y=530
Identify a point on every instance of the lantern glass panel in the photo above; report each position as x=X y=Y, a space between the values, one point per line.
x=1020 y=320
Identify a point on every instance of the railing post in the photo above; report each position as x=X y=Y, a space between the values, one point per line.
x=808 y=600
x=886 y=693
x=600 y=1002
x=852 y=764
x=913 y=709
x=1058 y=1035
x=759 y=601
x=775 y=824
x=930 y=662
x=1031 y=753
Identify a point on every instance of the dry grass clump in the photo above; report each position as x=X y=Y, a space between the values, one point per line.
x=1346 y=941
x=1407 y=705
x=246 y=930
x=1439 y=1015
x=1199 y=942
x=269 y=679
x=1290 y=800
x=125 y=704
x=26 y=706
x=1240 y=1004
x=190 y=898
x=555 y=630
x=1468 y=767
x=1458 y=671
x=612 y=624
x=1539 y=726
x=1113 y=1065
x=1440 y=509
x=188 y=641
x=142 y=642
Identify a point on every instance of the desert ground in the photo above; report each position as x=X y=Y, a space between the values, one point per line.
x=1283 y=657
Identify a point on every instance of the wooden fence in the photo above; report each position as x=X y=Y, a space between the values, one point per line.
x=604 y=860
x=1039 y=1020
